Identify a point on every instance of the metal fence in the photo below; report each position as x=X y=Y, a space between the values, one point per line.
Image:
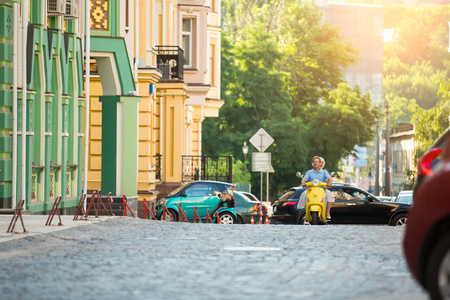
x=202 y=167
x=158 y=166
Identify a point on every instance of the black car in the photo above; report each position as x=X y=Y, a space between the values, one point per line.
x=352 y=206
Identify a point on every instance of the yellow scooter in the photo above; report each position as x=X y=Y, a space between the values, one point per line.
x=315 y=201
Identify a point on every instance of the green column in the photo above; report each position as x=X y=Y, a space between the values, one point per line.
x=6 y=96
x=64 y=145
x=119 y=144
x=81 y=103
x=48 y=144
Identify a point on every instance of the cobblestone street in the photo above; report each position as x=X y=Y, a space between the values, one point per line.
x=126 y=258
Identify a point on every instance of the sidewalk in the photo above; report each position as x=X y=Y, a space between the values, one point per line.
x=35 y=224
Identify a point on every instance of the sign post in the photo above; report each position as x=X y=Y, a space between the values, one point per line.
x=261 y=161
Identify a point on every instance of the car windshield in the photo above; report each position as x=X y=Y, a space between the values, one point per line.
x=176 y=191
x=243 y=196
x=251 y=196
x=288 y=195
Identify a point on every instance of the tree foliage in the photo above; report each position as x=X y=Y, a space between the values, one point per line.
x=429 y=124
x=281 y=70
x=416 y=60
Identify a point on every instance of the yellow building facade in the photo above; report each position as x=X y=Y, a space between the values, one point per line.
x=174 y=53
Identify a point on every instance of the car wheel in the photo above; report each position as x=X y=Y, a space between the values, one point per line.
x=226 y=218
x=314 y=218
x=438 y=270
x=239 y=220
x=302 y=220
x=400 y=220
x=172 y=213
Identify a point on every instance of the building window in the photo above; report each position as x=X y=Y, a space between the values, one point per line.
x=187 y=41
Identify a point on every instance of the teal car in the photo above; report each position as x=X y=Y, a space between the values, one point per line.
x=206 y=196
x=247 y=207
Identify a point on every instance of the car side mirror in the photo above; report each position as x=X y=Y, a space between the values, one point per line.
x=370 y=199
x=218 y=194
x=184 y=194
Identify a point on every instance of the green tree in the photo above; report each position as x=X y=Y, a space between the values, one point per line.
x=430 y=124
x=315 y=56
x=282 y=72
x=337 y=126
x=419 y=35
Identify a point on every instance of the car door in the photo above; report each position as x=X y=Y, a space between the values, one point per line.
x=338 y=207
x=362 y=208
x=200 y=195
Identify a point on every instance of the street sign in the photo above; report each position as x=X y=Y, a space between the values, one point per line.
x=261 y=162
x=261 y=140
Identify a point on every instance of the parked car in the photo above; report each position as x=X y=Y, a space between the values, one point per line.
x=247 y=208
x=204 y=195
x=428 y=162
x=352 y=206
x=268 y=208
x=405 y=197
x=427 y=237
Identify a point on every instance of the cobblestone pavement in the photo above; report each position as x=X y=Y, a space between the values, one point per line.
x=126 y=258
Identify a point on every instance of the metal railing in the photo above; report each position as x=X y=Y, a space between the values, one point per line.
x=202 y=167
x=170 y=61
x=158 y=166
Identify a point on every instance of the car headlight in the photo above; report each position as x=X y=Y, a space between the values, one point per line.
x=316 y=182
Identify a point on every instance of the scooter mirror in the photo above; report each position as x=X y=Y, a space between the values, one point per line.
x=299 y=175
x=333 y=174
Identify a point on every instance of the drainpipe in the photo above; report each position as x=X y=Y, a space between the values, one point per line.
x=161 y=110
x=88 y=81
x=136 y=63
x=164 y=22
x=200 y=137
x=24 y=95
x=14 y=151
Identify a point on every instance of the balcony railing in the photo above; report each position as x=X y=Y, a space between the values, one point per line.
x=170 y=60
x=158 y=166
x=196 y=167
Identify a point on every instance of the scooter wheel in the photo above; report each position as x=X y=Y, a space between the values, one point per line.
x=315 y=218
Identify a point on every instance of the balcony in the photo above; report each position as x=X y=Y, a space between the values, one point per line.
x=170 y=61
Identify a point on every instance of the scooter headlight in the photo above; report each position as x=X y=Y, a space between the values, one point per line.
x=316 y=182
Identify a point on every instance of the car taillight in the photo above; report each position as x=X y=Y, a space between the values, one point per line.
x=256 y=207
x=424 y=165
x=289 y=203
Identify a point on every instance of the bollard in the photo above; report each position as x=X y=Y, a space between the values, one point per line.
x=53 y=211
x=125 y=206
x=208 y=217
x=196 y=214
x=17 y=215
x=108 y=205
x=146 y=208
x=179 y=213
x=184 y=216
x=91 y=203
x=218 y=218
x=80 y=208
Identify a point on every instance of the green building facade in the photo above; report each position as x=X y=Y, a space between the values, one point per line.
x=55 y=105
